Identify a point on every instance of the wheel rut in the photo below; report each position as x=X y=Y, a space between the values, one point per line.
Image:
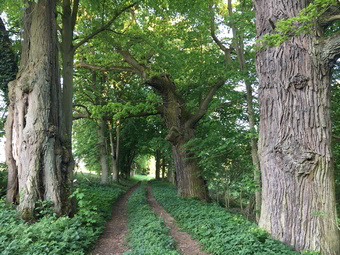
x=112 y=241
x=184 y=241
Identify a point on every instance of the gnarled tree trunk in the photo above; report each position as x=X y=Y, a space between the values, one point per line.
x=181 y=129
x=298 y=199
x=34 y=149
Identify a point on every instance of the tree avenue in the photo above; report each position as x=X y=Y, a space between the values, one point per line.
x=176 y=81
x=298 y=202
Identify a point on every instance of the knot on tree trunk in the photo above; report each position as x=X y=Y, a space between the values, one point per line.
x=295 y=158
x=298 y=81
x=173 y=135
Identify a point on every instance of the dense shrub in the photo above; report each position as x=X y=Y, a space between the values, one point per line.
x=63 y=235
x=219 y=231
x=3 y=179
x=147 y=232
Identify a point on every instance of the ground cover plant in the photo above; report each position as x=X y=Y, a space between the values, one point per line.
x=63 y=235
x=147 y=232
x=219 y=231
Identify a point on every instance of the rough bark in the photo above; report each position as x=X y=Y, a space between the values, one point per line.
x=298 y=196
x=34 y=149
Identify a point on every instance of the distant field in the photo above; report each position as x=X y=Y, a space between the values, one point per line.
x=142 y=177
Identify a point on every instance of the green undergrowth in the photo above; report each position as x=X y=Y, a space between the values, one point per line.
x=63 y=235
x=147 y=233
x=219 y=231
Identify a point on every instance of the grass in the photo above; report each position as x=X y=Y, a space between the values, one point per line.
x=139 y=177
x=219 y=231
x=63 y=235
x=147 y=233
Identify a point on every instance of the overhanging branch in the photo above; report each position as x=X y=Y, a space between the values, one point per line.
x=204 y=105
x=132 y=61
x=227 y=51
x=88 y=113
x=144 y=114
x=330 y=19
x=106 y=26
x=105 y=68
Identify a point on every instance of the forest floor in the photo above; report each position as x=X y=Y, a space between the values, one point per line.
x=113 y=240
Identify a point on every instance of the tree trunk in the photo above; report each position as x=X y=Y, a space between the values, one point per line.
x=171 y=176
x=118 y=146
x=115 y=173
x=163 y=168
x=238 y=39
x=298 y=203
x=67 y=54
x=104 y=164
x=181 y=129
x=34 y=149
x=158 y=164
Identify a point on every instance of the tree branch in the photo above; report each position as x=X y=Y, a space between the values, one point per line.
x=106 y=26
x=74 y=13
x=330 y=19
x=204 y=105
x=227 y=51
x=330 y=49
x=163 y=83
x=84 y=107
x=106 y=68
x=336 y=138
x=144 y=114
x=132 y=61
x=80 y=116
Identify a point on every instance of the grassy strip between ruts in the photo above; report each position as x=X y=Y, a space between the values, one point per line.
x=219 y=231
x=63 y=235
x=147 y=233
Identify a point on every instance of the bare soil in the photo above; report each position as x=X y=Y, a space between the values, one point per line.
x=112 y=241
x=184 y=242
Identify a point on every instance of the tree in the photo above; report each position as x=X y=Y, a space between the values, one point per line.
x=298 y=203
x=241 y=29
x=34 y=148
x=8 y=64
